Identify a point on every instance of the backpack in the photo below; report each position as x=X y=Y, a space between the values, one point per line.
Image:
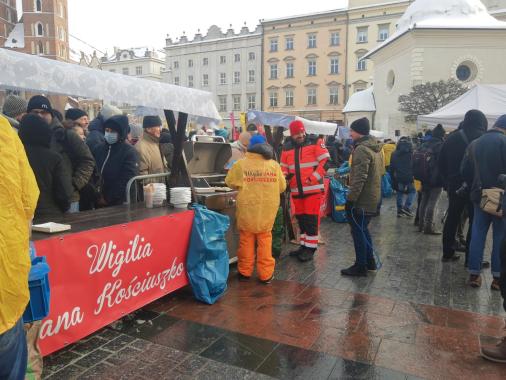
x=424 y=164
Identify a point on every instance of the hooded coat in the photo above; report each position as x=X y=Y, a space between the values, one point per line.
x=260 y=181
x=53 y=178
x=152 y=161
x=366 y=170
x=117 y=163
x=453 y=150
x=401 y=161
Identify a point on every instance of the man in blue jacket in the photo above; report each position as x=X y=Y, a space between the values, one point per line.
x=117 y=161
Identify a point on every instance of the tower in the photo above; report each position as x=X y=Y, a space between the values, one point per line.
x=8 y=19
x=46 y=28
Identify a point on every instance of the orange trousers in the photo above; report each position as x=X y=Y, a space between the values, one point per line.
x=246 y=254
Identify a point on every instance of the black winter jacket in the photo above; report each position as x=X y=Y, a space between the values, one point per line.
x=453 y=150
x=95 y=135
x=401 y=168
x=53 y=178
x=76 y=155
x=435 y=145
x=486 y=156
x=117 y=163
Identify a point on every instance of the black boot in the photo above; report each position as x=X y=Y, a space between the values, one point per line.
x=371 y=265
x=296 y=252
x=307 y=254
x=355 y=270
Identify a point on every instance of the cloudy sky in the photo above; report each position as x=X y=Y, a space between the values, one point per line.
x=133 y=23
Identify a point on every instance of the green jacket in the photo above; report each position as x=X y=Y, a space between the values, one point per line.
x=367 y=167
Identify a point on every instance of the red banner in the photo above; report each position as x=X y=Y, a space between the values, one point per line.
x=98 y=276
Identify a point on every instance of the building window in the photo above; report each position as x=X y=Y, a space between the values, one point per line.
x=361 y=63
x=311 y=67
x=125 y=71
x=274 y=45
x=251 y=56
x=40 y=29
x=176 y=64
x=273 y=98
x=138 y=70
x=311 y=41
x=311 y=96
x=38 y=5
x=237 y=77
x=60 y=10
x=40 y=48
x=252 y=104
x=190 y=63
x=333 y=95
x=289 y=98
x=176 y=81
x=237 y=102
x=362 y=34
x=223 y=59
x=274 y=71
x=383 y=32
x=223 y=78
x=289 y=70
x=289 y=43
x=251 y=76
x=205 y=80
x=222 y=101
x=237 y=58
x=112 y=70
x=334 y=39
x=334 y=65
x=190 y=80
x=205 y=61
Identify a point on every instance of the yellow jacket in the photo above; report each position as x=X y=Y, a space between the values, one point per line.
x=388 y=149
x=259 y=181
x=18 y=199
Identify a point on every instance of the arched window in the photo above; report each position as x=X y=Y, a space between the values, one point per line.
x=40 y=30
x=38 y=5
x=40 y=48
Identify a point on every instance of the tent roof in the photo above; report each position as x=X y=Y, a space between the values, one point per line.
x=490 y=99
x=34 y=73
x=361 y=101
x=283 y=120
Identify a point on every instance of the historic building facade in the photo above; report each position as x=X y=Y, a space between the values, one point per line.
x=227 y=64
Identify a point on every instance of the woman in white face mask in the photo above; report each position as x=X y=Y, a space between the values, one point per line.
x=117 y=161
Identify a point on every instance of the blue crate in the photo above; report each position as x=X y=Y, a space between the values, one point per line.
x=38 y=282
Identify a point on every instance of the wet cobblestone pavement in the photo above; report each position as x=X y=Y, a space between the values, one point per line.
x=414 y=318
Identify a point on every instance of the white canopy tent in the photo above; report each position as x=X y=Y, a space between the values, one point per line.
x=21 y=71
x=489 y=99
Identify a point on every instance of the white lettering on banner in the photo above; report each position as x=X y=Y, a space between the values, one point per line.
x=66 y=320
x=114 y=294
x=105 y=255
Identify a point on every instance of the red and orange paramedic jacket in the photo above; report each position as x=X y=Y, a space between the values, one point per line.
x=304 y=166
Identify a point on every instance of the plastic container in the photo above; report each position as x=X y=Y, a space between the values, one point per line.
x=38 y=282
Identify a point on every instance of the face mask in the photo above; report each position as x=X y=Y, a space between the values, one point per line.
x=111 y=137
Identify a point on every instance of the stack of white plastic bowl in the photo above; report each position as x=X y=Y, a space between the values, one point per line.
x=180 y=196
x=160 y=194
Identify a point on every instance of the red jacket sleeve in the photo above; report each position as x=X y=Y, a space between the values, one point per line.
x=284 y=163
x=322 y=155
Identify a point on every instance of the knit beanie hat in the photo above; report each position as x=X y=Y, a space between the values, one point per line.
x=14 y=106
x=438 y=132
x=74 y=114
x=109 y=111
x=361 y=126
x=501 y=122
x=39 y=102
x=151 y=121
x=257 y=139
x=296 y=127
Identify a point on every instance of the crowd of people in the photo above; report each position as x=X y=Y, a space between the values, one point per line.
x=80 y=164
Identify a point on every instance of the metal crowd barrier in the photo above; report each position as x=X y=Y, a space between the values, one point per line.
x=140 y=178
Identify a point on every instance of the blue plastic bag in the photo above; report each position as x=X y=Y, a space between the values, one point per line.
x=207 y=261
x=386 y=186
x=344 y=168
x=339 y=193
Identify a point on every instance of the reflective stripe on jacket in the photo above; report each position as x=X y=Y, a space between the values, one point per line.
x=306 y=164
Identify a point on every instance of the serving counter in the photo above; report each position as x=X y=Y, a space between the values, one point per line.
x=112 y=262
